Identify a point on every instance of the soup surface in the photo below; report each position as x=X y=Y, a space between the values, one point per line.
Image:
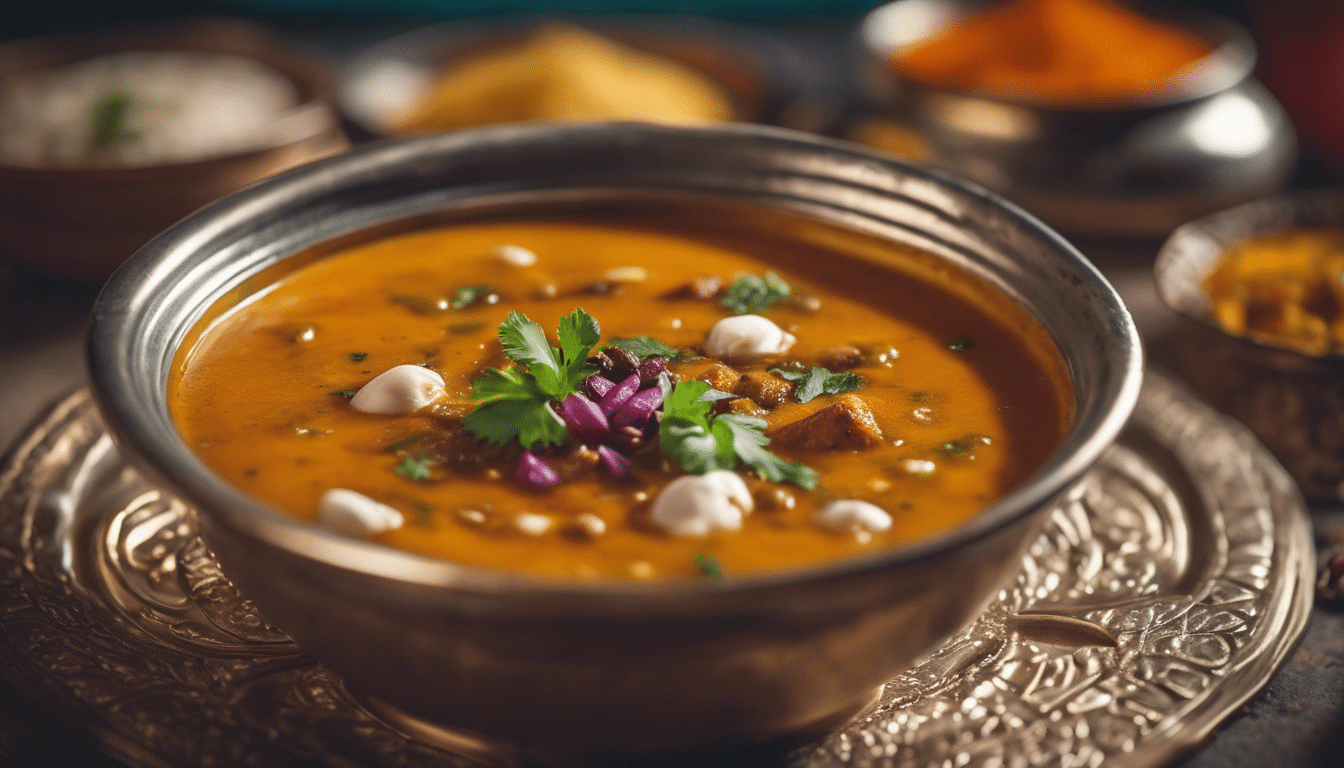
x=898 y=396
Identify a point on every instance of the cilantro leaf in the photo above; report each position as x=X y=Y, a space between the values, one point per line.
x=807 y=386
x=528 y=421
x=749 y=441
x=647 y=346
x=750 y=294
x=703 y=443
x=525 y=343
x=579 y=331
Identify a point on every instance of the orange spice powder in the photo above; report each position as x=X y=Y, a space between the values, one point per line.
x=1065 y=50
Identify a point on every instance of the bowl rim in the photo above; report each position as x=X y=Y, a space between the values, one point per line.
x=1195 y=248
x=314 y=113
x=1232 y=47
x=170 y=461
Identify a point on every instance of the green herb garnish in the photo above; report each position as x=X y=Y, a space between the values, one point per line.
x=818 y=381
x=701 y=442
x=422 y=305
x=647 y=346
x=410 y=442
x=460 y=329
x=960 y=343
x=750 y=294
x=414 y=468
x=110 y=115
x=346 y=393
x=515 y=404
x=469 y=295
x=709 y=567
x=963 y=448
x=358 y=357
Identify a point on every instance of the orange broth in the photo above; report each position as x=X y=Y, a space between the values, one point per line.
x=252 y=392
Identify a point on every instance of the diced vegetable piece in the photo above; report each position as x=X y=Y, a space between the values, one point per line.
x=638 y=408
x=585 y=420
x=614 y=462
x=622 y=392
x=534 y=473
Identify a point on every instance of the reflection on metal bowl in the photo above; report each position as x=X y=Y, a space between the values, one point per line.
x=1292 y=401
x=1133 y=167
x=578 y=667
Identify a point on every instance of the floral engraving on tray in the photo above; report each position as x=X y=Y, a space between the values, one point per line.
x=1163 y=590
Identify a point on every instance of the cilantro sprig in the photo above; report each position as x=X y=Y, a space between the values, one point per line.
x=750 y=294
x=516 y=404
x=818 y=381
x=647 y=346
x=702 y=442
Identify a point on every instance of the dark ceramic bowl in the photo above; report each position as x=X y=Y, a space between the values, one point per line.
x=573 y=668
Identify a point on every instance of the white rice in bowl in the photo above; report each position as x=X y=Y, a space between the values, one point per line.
x=141 y=108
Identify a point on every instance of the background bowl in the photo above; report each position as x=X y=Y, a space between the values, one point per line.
x=82 y=221
x=1137 y=167
x=748 y=67
x=1292 y=401
x=578 y=667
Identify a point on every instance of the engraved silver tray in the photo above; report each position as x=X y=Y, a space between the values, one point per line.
x=1161 y=596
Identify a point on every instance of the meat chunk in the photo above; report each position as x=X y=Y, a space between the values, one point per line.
x=765 y=389
x=846 y=425
x=744 y=407
x=720 y=377
x=841 y=358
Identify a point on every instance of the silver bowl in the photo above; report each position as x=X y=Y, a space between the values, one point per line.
x=1138 y=167
x=1294 y=402
x=553 y=667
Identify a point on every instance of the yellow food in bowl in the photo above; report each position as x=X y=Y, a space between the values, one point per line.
x=565 y=73
x=1285 y=289
x=889 y=406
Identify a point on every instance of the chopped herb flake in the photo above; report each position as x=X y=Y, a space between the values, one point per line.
x=414 y=468
x=963 y=448
x=469 y=295
x=358 y=357
x=461 y=329
x=409 y=442
x=709 y=567
x=750 y=294
x=423 y=305
x=807 y=386
x=345 y=393
x=110 y=115
x=960 y=343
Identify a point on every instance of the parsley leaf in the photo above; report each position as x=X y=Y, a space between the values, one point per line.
x=525 y=343
x=751 y=294
x=702 y=443
x=647 y=346
x=558 y=372
x=807 y=386
x=358 y=357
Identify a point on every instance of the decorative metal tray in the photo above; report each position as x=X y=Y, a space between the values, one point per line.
x=1162 y=595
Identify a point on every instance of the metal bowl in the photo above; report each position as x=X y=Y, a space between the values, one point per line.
x=568 y=667
x=81 y=222
x=1137 y=167
x=1292 y=401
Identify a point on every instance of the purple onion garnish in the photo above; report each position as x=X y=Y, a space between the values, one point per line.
x=638 y=409
x=535 y=474
x=597 y=385
x=619 y=394
x=584 y=419
x=613 y=461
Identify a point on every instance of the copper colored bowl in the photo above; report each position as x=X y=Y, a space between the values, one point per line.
x=81 y=222
x=560 y=667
